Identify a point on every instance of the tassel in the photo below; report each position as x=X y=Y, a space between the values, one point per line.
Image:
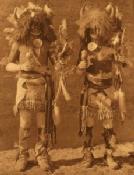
x=15 y=110
x=56 y=116
x=122 y=103
x=65 y=93
x=116 y=95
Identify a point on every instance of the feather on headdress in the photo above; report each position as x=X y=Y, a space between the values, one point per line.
x=23 y=17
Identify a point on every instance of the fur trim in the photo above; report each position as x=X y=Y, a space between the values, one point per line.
x=23 y=18
x=95 y=18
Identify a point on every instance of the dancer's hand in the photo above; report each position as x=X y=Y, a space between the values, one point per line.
x=82 y=65
x=26 y=67
x=42 y=70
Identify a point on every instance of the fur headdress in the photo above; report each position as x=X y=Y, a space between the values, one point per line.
x=32 y=19
x=105 y=21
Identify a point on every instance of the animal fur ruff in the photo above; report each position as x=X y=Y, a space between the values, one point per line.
x=95 y=19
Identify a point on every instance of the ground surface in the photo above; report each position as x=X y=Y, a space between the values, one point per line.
x=68 y=162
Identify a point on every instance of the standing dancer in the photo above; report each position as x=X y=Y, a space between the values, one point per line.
x=31 y=38
x=101 y=61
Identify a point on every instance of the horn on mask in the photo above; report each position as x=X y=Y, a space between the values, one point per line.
x=83 y=10
x=110 y=10
x=48 y=11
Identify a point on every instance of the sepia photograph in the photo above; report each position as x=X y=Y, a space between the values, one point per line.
x=66 y=87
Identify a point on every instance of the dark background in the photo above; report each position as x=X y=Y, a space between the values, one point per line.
x=67 y=131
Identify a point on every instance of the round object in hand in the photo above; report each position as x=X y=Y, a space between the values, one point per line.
x=37 y=43
x=92 y=46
